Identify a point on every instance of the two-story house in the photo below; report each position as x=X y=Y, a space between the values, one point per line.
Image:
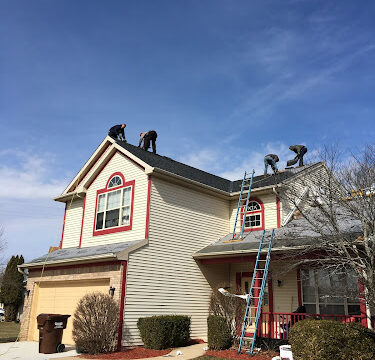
x=153 y=232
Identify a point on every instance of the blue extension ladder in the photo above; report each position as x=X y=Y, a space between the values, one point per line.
x=247 y=182
x=261 y=270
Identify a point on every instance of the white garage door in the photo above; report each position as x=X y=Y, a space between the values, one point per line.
x=61 y=297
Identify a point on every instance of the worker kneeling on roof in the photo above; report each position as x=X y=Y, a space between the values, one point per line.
x=270 y=159
x=147 y=137
x=300 y=150
x=117 y=132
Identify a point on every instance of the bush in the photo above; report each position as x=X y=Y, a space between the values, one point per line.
x=325 y=339
x=230 y=308
x=95 y=324
x=219 y=333
x=163 y=332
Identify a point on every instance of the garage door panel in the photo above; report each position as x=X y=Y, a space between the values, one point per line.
x=62 y=297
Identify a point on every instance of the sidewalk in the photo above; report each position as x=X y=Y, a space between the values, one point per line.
x=188 y=352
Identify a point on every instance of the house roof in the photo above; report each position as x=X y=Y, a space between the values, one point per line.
x=175 y=167
x=296 y=233
x=110 y=251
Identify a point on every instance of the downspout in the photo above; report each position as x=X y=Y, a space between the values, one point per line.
x=21 y=271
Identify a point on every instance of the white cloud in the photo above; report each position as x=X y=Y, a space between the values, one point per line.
x=28 y=175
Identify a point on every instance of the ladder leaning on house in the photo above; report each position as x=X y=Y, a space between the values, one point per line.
x=247 y=182
x=260 y=274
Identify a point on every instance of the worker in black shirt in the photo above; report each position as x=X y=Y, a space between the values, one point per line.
x=147 y=137
x=117 y=132
x=270 y=159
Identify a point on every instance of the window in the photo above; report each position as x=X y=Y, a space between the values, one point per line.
x=114 y=182
x=114 y=206
x=328 y=293
x=254 y=216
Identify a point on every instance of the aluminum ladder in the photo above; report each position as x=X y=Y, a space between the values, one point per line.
x=247 y=182
x=260 y=273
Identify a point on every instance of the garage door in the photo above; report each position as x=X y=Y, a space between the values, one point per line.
x=62 y=297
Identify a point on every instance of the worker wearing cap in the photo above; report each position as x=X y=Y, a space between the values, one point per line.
x=117 y=132
x=147 y=137
x=270 y=159
x=300 y=150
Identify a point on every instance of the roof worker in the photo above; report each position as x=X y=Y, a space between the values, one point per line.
x=147 y=137
x=271 y=159
x=117 y=132
x=300 y=150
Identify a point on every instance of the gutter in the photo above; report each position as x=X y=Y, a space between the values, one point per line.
x=241 y=252
x=68 y=196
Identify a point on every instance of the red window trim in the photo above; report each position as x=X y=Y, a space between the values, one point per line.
x=63 y=227
x=261 y=211
x=105 y=190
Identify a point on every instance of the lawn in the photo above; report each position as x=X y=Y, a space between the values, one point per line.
x=9 y=331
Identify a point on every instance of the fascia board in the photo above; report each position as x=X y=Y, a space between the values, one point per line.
x=242 y=252
x=70 y=260
x=258 y=190
x=194 y=184
x=93 y=158
x=68 y=196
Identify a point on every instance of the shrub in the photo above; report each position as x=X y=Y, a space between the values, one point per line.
x=95 y=323
x=230 y=308
x=219 y=333
x=163 y=332
x=326 y=339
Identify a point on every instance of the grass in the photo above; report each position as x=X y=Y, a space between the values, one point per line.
x=9 y=331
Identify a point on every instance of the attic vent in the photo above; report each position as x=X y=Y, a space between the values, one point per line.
x=115 y=181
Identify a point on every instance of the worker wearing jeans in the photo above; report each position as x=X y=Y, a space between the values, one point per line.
x=270 y=159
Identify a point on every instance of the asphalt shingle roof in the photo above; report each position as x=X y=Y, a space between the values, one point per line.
x=203 y=177
x=74 y=253
x=297 y=232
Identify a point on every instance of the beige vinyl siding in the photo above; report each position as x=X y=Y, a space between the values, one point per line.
x=163 y=278
x=118 y=163
x=73 y=222
x=270 y=211
x=285 y=297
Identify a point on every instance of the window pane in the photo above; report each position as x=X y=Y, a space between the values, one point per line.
x=253 y=221
x=125 y=216
x=113 y=201
x=332 y=309
x=354 y=310
x=101 y=202
x=99 y=221
x=111 y=218
x=310 y=308
x=308 y=286
x=127 y=196
x=330 y=287
x=352 y=286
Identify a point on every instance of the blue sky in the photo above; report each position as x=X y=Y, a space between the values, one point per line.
x=222 y=82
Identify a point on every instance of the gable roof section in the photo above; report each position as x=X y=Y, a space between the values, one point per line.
x=168 y=166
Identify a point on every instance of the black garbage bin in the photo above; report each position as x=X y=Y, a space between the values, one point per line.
x=51 y=327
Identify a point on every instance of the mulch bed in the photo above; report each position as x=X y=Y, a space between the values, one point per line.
x=135 y=353
x=233 y=354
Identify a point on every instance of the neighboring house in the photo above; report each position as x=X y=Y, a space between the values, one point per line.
x=153 y=232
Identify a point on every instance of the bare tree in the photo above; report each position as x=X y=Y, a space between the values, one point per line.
x=336 y=207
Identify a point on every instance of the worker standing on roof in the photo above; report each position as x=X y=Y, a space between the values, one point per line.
x=147 y=137
x=271 y=159
x=300 y=150
x=117 y=132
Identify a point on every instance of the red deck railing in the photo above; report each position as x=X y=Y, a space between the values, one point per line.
x=277 y=325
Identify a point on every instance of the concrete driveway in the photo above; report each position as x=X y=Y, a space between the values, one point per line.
x=29 y=350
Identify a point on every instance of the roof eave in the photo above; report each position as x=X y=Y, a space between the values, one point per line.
x=242 y=252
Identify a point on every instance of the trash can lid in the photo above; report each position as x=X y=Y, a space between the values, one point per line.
x=42 y=318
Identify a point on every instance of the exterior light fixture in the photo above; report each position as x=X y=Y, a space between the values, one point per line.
x=111 y=290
